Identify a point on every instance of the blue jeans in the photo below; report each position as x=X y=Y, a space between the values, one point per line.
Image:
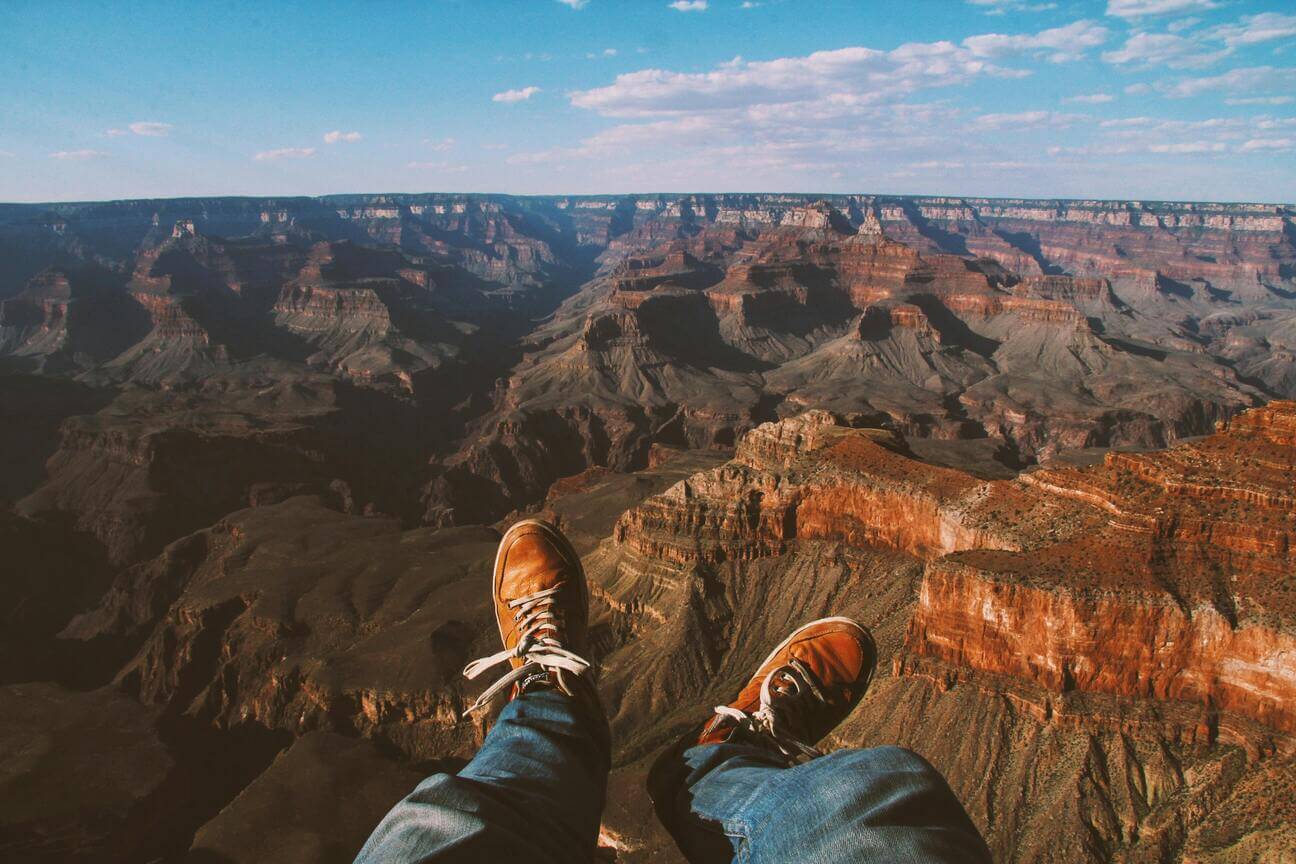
x=535 y=792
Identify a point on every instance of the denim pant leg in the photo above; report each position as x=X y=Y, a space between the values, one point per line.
x=885 y=804
x=535 y=791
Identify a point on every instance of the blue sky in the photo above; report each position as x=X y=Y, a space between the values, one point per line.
x=1158 y=99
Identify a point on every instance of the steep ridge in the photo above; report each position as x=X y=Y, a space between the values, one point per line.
x=1084 y=611
x=700 y=341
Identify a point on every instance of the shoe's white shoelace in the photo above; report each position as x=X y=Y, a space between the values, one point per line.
x=537 y=627
x=790 y=683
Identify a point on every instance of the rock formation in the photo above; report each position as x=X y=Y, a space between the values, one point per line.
x=256 y=453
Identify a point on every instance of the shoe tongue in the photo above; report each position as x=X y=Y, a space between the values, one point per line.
x=539 y=680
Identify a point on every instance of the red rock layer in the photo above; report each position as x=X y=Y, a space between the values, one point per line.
x=1160 y=575
x=1065 y=640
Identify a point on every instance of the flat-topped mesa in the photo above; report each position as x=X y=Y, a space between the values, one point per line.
x=1029 y=309
x=877 y=321
x=679 y=267
x=1067 y=288
x=819 y=216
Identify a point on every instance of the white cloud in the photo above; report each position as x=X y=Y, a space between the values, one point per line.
x=7 y=154
x=575 y=4
x=609 y=52
x=151 y=129
x=146 y=128
x=1059 y=44
x=520 y=95
x=1182 y=24
x=1187 y=147
x=440 y=145
x=284 y=153
x=749 y=4
x=338 y=135
x=1141 y=8
x=1144 y=50
x=1253 y=29
x=1024 y=120
x=1261 y=100
x=1138 y=89
x=823 y=82
x=1240 y=80
x=1090 y=98
x=689 y=5
x=1268 y=144
x=1001 y=7
x=76 y=155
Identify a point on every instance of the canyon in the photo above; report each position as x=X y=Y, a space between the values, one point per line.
x=257 y=453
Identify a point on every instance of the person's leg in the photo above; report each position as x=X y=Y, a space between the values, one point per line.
x=734 y=790
x=535 y=789
x=884 y=804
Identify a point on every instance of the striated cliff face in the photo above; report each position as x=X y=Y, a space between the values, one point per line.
x=1122 y=578
x=1116 y=608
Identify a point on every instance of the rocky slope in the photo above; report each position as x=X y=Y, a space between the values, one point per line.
x=1098 y=634
x=256 y=453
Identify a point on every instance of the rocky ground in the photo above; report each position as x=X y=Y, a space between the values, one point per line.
x=257 y=454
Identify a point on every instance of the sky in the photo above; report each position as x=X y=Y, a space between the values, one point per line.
x=1129 y=99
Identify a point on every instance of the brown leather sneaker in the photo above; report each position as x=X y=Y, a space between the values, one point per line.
x=803 y=689
x=541 y=609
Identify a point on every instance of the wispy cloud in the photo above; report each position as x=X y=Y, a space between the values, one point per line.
x=1199 y=48
x=1268 y=144
x=151 y=129
x=1146 y=8
x=146 y=128
x=830 y=82
x=1002 y=7
x=575 y=4
x=1024 y=120
x=689 y=5
x=337 y=135
x=1261 y=100
x=1254 y=29
x=440 y=145
x=521 y=94
x=1058 y=44
x=1090 y=98
x=284 y=153
x=1146 y=50
x=1188 y=147
x=76 y=155
x=1236 y=81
